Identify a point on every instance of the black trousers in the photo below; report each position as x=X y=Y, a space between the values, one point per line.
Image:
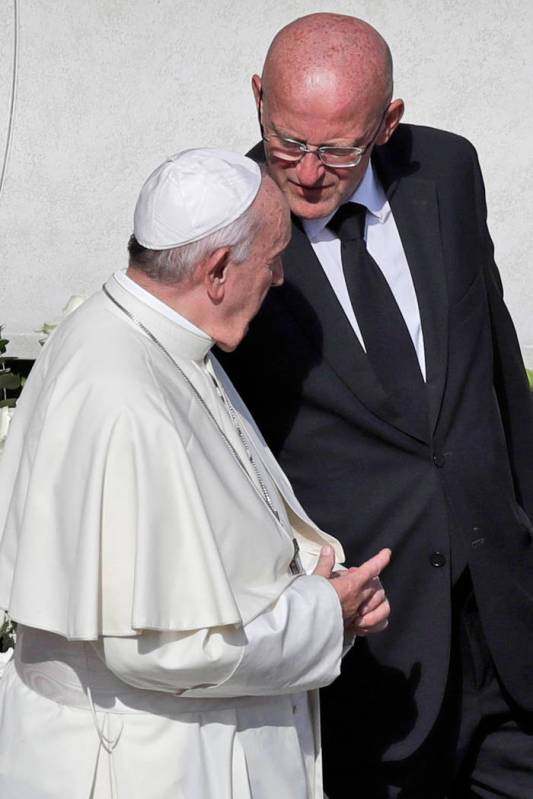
x=481 y=746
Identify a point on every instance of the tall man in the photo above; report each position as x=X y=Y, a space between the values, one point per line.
x=386 y=376
x=168 y=636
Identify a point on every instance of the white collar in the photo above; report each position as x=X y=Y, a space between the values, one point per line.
x=130 y=285
x=368 y=193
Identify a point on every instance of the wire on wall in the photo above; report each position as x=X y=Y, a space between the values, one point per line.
x=12 y=101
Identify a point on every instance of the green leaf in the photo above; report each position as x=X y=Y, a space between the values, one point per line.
x=530 y=378
x=9 y=380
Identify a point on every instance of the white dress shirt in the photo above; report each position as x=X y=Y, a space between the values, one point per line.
x=384 y=245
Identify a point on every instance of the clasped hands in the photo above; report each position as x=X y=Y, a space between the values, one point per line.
x=365 y=607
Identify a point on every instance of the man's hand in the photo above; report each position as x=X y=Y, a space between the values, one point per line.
x=365 y=607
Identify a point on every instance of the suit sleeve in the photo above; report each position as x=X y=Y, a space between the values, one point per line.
x=511 y=385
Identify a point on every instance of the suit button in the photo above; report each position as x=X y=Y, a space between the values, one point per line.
x=437 y=559
x=478 y=541
x=438 y=459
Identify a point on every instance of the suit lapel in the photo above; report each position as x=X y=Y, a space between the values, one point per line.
x=307 y=294
x=414 y=205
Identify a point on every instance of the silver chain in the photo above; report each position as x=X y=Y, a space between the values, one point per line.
x=245 y=443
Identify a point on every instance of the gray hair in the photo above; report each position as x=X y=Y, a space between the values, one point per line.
x=176 y=264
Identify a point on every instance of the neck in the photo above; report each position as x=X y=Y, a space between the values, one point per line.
x=181 y=297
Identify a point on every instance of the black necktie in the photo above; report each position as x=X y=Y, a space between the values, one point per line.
x=387 y=341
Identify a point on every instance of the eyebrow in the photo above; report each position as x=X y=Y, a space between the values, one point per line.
x=277 y=132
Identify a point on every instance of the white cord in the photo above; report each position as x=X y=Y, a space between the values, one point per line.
x=107 y=742
x=9 y=136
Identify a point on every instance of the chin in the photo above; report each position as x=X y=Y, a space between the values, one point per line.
x=230 y=345
x=225 y=347
x=312 y=210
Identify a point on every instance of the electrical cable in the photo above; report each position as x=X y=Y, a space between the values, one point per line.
x=12 y=103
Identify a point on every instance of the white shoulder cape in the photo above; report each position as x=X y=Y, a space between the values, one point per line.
x=120 y=509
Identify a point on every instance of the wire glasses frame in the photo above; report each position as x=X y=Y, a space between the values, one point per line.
x=287 y=149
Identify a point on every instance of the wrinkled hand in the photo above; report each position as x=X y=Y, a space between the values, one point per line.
x=365 y=607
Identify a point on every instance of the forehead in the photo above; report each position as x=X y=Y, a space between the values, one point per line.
x=320 y=108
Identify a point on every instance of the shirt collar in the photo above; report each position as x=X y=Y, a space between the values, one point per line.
x=138 y=291
x=368 y=193
x=176 y=333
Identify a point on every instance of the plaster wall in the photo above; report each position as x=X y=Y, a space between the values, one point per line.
x=107 y=88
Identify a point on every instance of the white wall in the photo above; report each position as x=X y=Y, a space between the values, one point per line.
x=108 y=88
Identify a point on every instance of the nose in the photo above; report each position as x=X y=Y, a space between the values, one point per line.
x=277 y=273
x=310 y=169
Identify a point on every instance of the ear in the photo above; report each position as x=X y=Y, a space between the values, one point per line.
x=392 y=120
x=215 y=274
x=256 y=88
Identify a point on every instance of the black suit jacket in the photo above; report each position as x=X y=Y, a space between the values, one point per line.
x=463 y=492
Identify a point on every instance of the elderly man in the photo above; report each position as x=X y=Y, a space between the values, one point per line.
x=152 y=550
x=386 y=376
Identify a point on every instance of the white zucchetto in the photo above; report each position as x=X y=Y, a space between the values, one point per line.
x=192 y=194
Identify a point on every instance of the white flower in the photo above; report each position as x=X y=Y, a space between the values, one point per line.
x=47 y=327
x=5 y=657
x=75 y=301
x=6 y=415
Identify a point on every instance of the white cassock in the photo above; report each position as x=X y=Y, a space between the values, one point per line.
x=166 y=650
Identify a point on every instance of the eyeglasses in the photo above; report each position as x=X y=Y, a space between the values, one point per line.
x=292 y=150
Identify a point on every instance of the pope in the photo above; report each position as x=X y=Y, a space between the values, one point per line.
x=176 y=607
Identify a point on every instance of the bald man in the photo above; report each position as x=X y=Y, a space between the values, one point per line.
x=386 y=376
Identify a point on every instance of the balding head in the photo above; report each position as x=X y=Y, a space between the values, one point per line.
x=327 y=80
x=329 y=52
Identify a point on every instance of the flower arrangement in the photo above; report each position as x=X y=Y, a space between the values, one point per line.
x=10 y=385
x=8 y=637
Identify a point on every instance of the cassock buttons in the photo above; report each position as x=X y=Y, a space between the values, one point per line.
x=437 y=559
x=438 y=459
